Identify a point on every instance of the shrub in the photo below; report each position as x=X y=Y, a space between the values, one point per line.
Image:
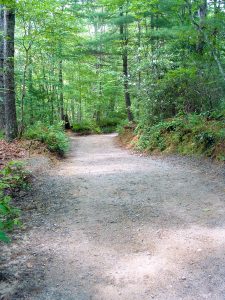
x=85 y=128
x=2 y=135
x=9 y=217
x=53 y=137
x=105 y=125
x=121 y=126
x=190 y=134
x=12 y=176
x=109 y=125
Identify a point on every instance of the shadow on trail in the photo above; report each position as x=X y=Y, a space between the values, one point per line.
x=116 y=226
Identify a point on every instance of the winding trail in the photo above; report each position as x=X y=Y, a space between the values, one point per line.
x=119 y=226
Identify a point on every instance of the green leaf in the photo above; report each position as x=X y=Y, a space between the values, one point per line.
x=4 y=237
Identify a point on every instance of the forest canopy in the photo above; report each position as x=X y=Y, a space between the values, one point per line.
x=96 y=64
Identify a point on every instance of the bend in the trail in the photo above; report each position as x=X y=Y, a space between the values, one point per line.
x=120 y=226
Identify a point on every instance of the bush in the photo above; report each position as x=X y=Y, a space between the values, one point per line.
x=190 y=134
x=121 y=126
x=53 y=137
x=109 y=125
x=12 y=176
x=105 y=125
x=2 y=136
x=85 y=128
x=187 y=90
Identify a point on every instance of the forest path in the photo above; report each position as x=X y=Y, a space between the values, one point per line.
x=120 y=226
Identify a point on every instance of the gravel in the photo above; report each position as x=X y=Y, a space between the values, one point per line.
x=107 y=224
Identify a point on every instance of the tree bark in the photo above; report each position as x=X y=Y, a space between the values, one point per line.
x=202 y=12
x=61 y=97
x=2 y=108
x=24 y=89
x=124 y=38
x=11 y=128
x=27 y=49
x=30 y=91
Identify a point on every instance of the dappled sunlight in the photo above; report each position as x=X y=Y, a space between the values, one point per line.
x=100 y=169
x=124 y=227
x=162 y=266
x=117 y=110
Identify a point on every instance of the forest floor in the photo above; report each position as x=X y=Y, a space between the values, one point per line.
x=106 y=224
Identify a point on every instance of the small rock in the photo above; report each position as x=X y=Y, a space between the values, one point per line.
x=29 y=265
x=22 y=194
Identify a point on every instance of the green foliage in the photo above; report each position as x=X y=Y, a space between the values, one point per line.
x=53 y=137
x=190 y=134
x=120 y=127
x=12 y=176
x=85 y=128
x=183 y=90
x=104 y=125
x=109 y=125
x=175 y=66
x=2 y=135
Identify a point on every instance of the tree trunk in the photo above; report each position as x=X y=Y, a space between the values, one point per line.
x=61 y=98
x=24 y=89
x=30 y=91
x=11 y=128
x=202 y=12
x=2 y=108
x=124 y=38
x=139 y=69
x=73 y=111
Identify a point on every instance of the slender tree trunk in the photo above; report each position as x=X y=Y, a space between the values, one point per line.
x=139 y=70
x=11 y=128
x=61 y=97
x=202 y=12
x=124 y=38
x=73 y=111
x=80 y=110
x=30 y=91
x=2 y=108
x=54 y=92
x=80 y=115
x=24 y=90
x=139 y=56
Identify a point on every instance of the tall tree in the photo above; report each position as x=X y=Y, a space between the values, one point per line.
x=11 y=128
x=61 y=96
x=2 y=109
x=124 y=39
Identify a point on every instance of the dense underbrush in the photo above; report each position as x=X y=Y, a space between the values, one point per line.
x=107 y=125
x=54 y=137
x=190 y=134
x=86 y=128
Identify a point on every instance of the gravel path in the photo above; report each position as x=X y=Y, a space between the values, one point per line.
x=110 y=225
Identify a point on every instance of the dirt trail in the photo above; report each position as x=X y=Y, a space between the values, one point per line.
x=119 y=226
